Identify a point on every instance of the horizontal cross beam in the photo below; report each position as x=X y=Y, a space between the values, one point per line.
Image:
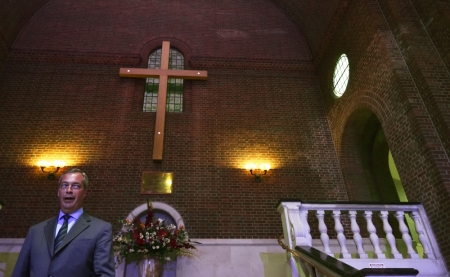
x=156 y=73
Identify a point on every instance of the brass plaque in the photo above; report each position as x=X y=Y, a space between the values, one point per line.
x=156 y=182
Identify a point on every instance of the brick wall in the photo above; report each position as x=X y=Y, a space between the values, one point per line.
x=435 y=18
x=62 y=97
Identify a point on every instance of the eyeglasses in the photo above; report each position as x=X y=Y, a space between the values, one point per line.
x=65 y=186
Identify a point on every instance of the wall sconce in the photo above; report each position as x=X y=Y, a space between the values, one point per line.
x=46 y=167
x=258 y=171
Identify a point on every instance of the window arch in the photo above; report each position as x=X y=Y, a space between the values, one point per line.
x=161 y=210
x=174 y=86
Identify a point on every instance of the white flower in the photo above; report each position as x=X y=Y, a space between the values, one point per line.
x=131 y=250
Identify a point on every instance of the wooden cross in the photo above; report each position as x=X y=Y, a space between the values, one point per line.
x=163 y=74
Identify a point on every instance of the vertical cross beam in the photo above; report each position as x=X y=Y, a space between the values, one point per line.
x=161 y=108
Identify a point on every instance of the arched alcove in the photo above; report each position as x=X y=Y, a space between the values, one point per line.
x=160 y=210
x=364 y=157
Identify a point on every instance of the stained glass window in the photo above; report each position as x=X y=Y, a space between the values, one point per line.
x=174 y=86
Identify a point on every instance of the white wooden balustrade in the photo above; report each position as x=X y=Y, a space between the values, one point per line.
x=387 y=251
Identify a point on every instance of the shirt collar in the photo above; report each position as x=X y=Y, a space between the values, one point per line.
x=75 y=214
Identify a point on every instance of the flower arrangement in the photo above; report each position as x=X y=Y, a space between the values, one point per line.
x=151 y=239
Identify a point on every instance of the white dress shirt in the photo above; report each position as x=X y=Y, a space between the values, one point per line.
x=73 y=218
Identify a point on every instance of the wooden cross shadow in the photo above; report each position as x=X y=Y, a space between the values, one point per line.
x=163 y=74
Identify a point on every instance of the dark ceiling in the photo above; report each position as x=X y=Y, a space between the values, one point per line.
x=315 y=19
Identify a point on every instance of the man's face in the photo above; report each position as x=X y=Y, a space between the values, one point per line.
x=71 y=192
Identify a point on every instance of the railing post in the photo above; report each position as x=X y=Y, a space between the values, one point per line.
x=323 y=232
x=294 y=230
x=389 y=236
x=373 y=236
x=306 y=239
x=405 y=235
x=340 y=234
x=422 y=237
x=357 y=236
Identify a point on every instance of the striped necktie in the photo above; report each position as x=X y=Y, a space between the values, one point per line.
x=62 y=232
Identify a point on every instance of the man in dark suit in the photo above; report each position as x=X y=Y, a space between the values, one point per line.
x=73 y=244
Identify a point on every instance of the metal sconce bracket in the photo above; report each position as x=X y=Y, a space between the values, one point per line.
x=55 y=164
x=51 y=174
x=258 y=174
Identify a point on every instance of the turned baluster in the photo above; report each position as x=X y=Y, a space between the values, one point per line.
x=389 y=236
x=340 y=234
x=357 y=236
x=423 y=239
x=405 y=235
x=323 y=232
x=373 y=236
x=307 y=229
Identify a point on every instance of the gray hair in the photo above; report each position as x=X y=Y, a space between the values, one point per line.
x=75 y=170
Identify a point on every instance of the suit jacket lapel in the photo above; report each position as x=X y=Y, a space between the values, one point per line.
x=80 y=225
x=49 y=232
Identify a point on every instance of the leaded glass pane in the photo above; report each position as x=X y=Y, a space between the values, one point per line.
x=341 y=75
x=174 y=101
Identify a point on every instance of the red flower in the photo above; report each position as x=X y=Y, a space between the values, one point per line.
x=173 y=243
x=162 y=233
x=137 y=237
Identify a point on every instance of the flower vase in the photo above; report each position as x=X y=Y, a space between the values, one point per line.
x=151 y=267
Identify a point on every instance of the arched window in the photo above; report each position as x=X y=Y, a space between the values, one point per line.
x=341 y=75
x=174 y=86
